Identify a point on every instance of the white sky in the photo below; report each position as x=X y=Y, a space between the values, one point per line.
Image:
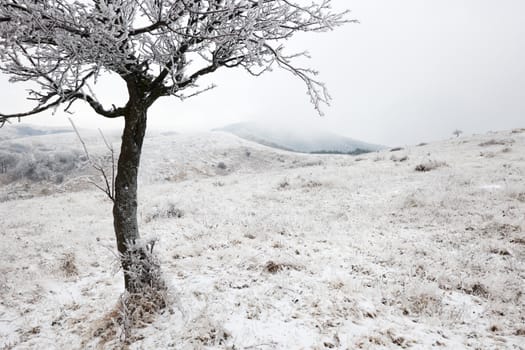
x=412 y=71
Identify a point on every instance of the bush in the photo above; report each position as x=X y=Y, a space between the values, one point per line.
x=283 y=184
x=7 y=161
x=424 y=167
x=23 y=162
x=494 y=142
x=399 y=159
x=165 y=211
x=148 y=290
x=68 y=265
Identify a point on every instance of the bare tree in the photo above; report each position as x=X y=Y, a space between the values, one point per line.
x=159 y=48
x=457 y=132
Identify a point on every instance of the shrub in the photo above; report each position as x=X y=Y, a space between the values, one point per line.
x=312 y=184
x=424 y=167
x=68 y=265
x=477 y=289
x=23 y=162
x=7 y=162
x=283 y=184
x=149 y=295
x=274 y=267
x=166 y=211
x=399 y=159
x=495 y=142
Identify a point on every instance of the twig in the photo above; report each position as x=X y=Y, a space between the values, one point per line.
x=80 y=138
x=110 y=147
x=109 y=190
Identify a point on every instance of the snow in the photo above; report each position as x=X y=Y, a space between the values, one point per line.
x=367 y=252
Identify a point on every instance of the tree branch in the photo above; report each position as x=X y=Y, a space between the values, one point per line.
x=97 y=107
x=152 y=42
x=36 y=110
x=148 y=29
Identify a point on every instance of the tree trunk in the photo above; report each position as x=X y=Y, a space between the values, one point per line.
x=125 y=204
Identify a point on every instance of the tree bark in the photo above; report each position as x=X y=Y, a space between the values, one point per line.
x=125 y=204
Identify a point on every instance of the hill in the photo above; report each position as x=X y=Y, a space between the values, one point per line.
x=12 y=131
x=305 y=141
x=419 y=248
x=48 y=162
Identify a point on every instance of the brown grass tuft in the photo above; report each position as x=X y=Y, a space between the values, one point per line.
x=68 y=265
x=424 y=167
x=477 y=289
x=495 y=142
x=273 y=267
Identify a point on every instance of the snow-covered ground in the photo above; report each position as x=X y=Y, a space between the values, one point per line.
x=264 y=249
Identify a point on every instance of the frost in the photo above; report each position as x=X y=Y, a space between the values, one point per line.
x=64 y=46
x=370 y=254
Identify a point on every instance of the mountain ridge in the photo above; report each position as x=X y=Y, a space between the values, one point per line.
x=302 y=141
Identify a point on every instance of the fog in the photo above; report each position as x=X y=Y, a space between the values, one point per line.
x=411 y=71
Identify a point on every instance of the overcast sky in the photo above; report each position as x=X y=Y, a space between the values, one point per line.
x=411 y=71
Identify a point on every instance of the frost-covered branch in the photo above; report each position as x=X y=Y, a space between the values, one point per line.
x=164 y=46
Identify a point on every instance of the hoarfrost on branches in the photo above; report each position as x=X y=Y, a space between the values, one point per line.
x=64 y=46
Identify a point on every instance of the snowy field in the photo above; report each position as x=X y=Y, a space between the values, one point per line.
x=265 y=249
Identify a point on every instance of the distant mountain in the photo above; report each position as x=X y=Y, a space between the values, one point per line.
x=15 y=131
x=310 y=141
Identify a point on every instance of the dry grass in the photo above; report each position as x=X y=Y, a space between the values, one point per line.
x=274 y=267
x=428 y=304
x=164 y=211
x=206 y=333
x=414 y=201
x=518 y=240
x=147 y=291
x=519 y=196
x=68 y=265
x=312 y=184
x=494 y=142
x=139 y=308
x=383 y=339
x=399 y=159
x=284 y=184
x=477 y=289
x=256 y=265
x=431 y=165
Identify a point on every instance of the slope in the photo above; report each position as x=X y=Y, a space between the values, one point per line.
x=327 y=252
x=304 y=140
